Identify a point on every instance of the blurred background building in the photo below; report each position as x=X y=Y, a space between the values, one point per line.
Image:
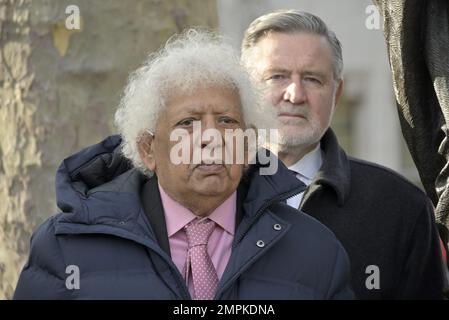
x=59 y=88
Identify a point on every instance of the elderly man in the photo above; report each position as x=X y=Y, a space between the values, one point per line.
x=385 y=223
x=135 y=223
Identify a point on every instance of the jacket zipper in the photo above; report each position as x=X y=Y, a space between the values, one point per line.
x=280 y=197
x=178 y=277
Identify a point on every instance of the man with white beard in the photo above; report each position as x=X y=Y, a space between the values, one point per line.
x=385 y=223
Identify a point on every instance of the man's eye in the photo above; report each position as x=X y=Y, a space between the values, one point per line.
x=312 y=80
x=228 y=120
x=276 y=77
x=186 y=122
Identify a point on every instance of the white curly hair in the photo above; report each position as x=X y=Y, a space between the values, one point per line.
x=193 y=59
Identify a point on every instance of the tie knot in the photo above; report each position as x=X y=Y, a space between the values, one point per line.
x=198 y=232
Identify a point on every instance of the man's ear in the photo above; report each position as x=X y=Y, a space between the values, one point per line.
x=146 y=150
x=339 y=91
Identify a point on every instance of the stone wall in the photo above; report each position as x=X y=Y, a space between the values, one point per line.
x=58 y=92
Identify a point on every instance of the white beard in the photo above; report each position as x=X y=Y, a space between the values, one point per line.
x=298 y=132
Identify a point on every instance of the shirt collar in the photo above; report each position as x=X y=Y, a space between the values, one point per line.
x=309 y=165
x=177 y=216
x=224 y=215
x=335 y=171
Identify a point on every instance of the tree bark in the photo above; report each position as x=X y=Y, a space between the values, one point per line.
x=58 y=91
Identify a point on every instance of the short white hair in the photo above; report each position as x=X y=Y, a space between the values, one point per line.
x=193 y=59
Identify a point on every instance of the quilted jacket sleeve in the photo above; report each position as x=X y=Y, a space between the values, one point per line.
x=43 y=276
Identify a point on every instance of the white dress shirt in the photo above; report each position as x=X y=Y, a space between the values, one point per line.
x=307 y=168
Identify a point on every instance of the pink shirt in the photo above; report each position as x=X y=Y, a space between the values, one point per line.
x=220 y=241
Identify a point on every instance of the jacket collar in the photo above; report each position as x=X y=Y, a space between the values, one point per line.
x=152 y=205
x=335 y=171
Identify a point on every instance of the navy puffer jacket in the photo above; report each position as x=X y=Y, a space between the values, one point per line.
x=119 y=249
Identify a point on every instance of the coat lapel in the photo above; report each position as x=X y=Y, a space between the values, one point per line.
x=152 y=205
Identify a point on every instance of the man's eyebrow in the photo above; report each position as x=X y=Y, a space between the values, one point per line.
x=316 y=73
x=310 y=72
x=190 y=109
x=276 y=69
x=195 y=110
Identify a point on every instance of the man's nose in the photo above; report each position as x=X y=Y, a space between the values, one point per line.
x=211 y=135
x=294 y=93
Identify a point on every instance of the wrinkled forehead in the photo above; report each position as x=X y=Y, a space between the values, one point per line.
x=283 y=50
x=196 y=84
x=204 y=98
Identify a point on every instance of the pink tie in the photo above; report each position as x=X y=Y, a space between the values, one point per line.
x=204 y=275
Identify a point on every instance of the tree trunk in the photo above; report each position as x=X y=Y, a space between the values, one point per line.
x=59 y=88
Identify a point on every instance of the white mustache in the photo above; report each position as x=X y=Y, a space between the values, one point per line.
x=291 y=109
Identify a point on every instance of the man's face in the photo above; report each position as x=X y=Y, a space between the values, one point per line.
x=297 y=72
x=214 y=108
